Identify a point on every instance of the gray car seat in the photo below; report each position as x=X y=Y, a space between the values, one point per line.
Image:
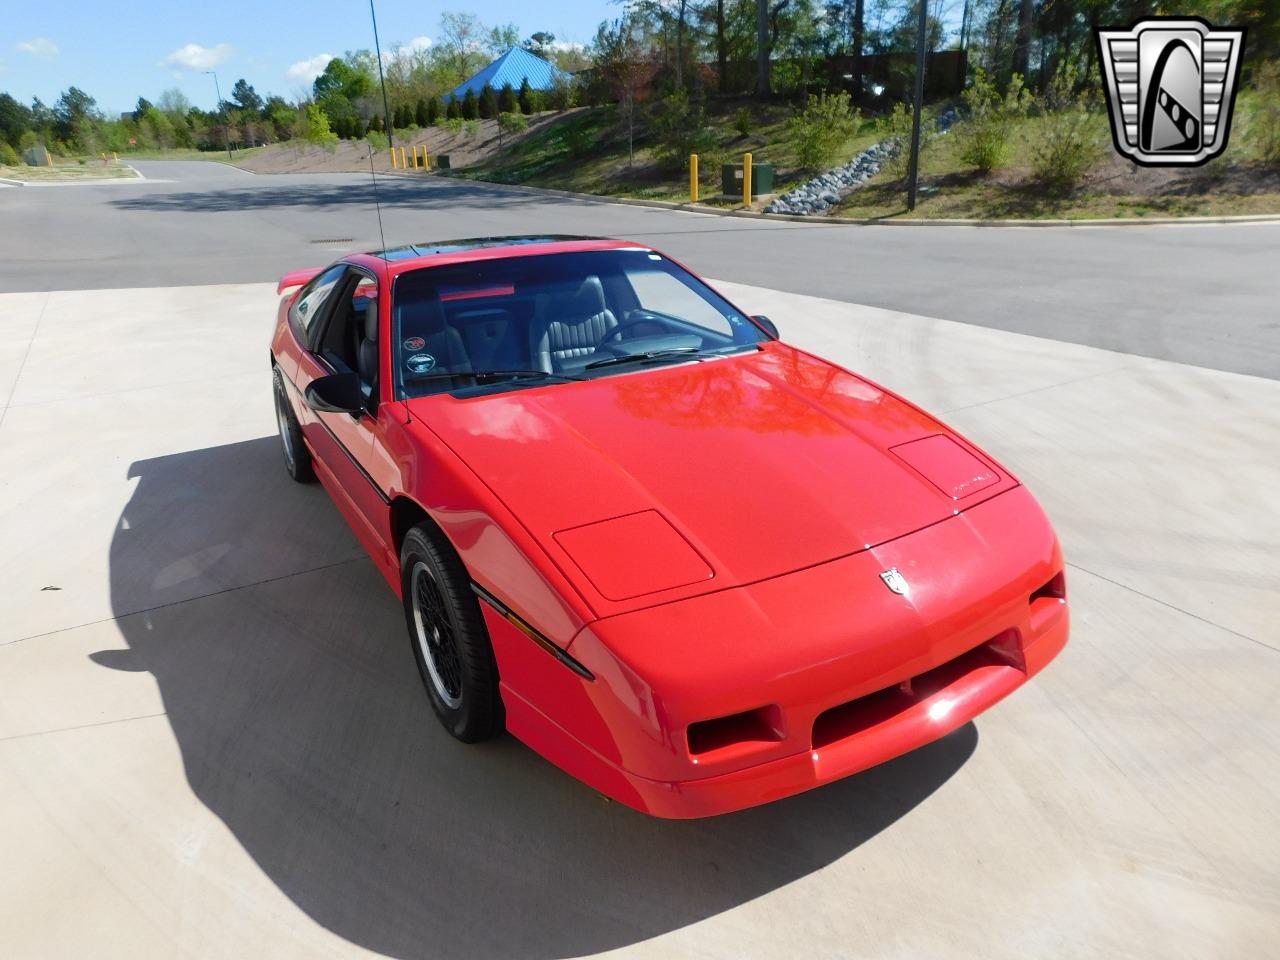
x=425 y=320
x=567 y=325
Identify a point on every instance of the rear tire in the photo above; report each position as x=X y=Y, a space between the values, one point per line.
x=448 y=636
x=297 y=458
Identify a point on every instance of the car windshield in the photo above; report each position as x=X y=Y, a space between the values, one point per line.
x=525 y=321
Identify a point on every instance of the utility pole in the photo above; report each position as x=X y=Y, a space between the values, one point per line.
x=222 y=112
x=914 y=169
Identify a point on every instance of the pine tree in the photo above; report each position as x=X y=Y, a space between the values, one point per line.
x=507 y=100
x=470 y=109
x=454 y=110
x=526 y=97
x=420 y=114
x=433 y=111
x=488 y=103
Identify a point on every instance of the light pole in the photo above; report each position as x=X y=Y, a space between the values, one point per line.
x=226 y=129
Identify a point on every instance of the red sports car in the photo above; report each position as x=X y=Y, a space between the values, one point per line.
x=692 y=566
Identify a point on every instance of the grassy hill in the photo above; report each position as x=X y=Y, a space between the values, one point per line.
x=586 y=150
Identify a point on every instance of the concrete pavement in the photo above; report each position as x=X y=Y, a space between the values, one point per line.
x=1206 y=295
x=213 y=741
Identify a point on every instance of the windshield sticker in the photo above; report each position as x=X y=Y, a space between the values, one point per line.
x=420 y=363
x=414 y=343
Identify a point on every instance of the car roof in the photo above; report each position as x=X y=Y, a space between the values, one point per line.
x=414 y=256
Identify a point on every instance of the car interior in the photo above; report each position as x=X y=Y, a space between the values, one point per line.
x=482 y=319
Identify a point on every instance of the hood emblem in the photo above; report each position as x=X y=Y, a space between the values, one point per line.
x=895 y=581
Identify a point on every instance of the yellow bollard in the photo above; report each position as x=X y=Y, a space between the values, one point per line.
x=693 y=178
x=746 y=179
x=403 y=165
x=394 y=164
x=426 y=159
x=115 y=157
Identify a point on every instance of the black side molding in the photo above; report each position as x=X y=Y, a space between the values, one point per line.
x=519 y=623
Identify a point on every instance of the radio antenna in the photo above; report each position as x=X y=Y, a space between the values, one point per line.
x=386 y=124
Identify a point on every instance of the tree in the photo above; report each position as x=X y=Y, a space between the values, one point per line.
x=540 y=44
x=15 y=119
x=622 y=63
x=141 y=109
x=470 y=108
x=71 y=109
x=420 y=115
x=434 y=110
x=488 y=103
x=316 y=126
x=1022 y=52
x=245 y=97
x=507 y=100
x=525 y=97
x=342 y=78
x=501 y=39
x=454 y=110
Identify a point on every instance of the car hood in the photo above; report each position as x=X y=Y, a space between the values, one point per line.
x=668 y=482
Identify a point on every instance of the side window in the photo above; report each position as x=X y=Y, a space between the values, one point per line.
x=661 y=292
x=350 y=337
x=307 y=307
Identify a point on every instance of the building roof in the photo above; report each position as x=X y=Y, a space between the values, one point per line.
x=512 y=67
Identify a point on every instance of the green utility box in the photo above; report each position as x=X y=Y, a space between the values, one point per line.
x=731 y=179
x=441 y=161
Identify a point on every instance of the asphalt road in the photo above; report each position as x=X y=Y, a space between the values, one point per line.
x=1206 y=295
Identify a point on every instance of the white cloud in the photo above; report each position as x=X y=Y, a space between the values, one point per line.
x=417 y=44
x=38 y=47
x=195 y=57
x=306 y=71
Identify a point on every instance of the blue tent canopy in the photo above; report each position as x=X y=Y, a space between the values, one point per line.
x=512 y=67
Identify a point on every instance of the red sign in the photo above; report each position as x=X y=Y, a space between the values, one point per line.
x=133 y=141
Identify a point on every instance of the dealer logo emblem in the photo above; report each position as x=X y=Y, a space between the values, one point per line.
x=1171 y=85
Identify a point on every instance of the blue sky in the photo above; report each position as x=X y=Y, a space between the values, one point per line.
x=117 y=53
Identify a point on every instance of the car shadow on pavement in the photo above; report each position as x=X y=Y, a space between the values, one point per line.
x=303 y=726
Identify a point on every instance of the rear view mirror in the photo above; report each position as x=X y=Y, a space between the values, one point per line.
x=768 y=325
x=336 y=393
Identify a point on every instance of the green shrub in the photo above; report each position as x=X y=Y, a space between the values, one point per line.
x=680 y=126
x=578 y=140
x=471 y=128
x=454 y=125
x=377 y=139
x=512 y=122
x=896 y=127
x=563 y=93
x=1068 y=141
x=743 y=121
x=8 y=156
x=819 y=131
x=984 y=135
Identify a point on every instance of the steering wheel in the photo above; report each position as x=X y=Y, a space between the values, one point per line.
x=648 y=318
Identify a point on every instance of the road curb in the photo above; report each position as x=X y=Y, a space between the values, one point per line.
x=859 y=222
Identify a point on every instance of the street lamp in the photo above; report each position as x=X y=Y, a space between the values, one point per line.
x=226 y=128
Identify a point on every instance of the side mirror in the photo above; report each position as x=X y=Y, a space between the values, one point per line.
x=769 y=326
x=336 y=393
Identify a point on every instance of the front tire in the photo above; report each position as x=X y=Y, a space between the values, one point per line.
x=447 y=632
x=297 y=458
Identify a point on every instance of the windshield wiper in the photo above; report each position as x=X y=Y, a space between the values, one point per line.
x=646 y=356
x=484 y=376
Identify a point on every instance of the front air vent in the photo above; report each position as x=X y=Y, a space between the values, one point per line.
x=751 y=727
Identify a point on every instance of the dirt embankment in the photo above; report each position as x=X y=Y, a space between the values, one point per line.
x=353 y=155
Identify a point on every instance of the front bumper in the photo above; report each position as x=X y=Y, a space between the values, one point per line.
x=853 y=674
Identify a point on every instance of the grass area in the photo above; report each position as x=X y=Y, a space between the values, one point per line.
x=64 y=170
x=1239 y=182
x=587 y=151
x=185 y=153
